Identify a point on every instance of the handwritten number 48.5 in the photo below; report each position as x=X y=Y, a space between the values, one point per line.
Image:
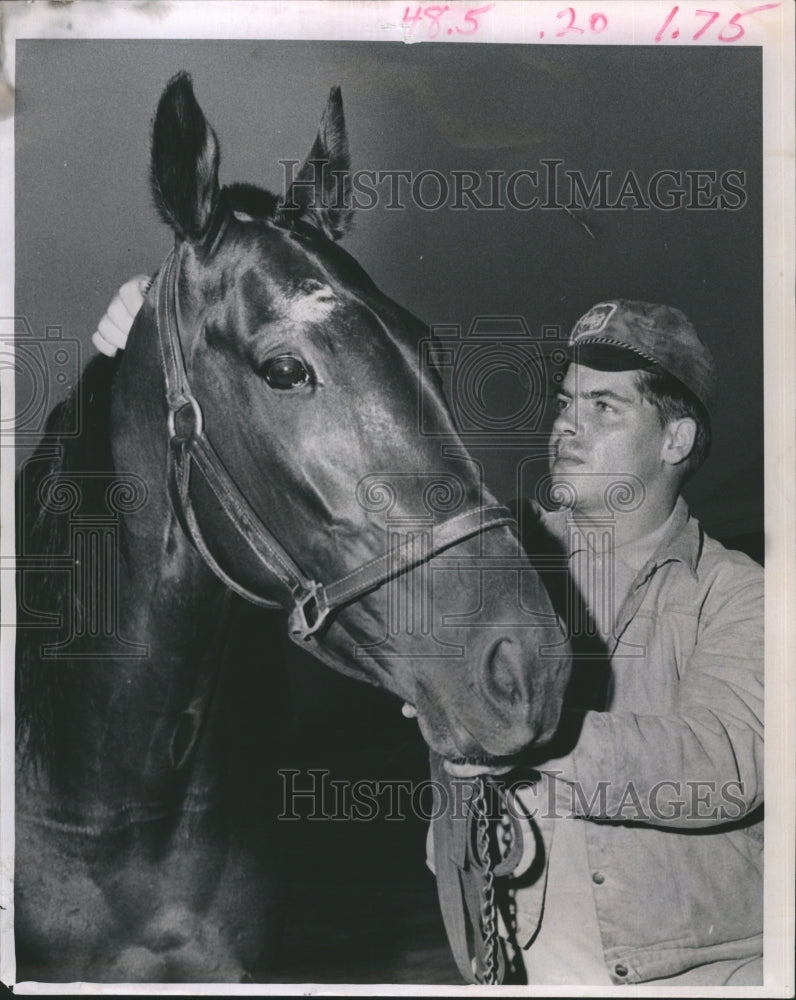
x=434 y=13
x=731 y=31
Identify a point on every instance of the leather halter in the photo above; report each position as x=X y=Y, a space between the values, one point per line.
x=309 y=601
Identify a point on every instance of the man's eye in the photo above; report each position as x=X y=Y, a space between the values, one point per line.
x=286 y=372
x=604 y=407
x=561 y=404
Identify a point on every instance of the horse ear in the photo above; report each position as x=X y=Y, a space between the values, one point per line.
x=321 y=191
x=184 y=163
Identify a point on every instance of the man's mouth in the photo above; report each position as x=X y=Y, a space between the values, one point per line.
x=567 y=458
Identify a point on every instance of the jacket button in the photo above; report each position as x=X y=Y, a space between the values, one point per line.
x=598 y=878
x=620 y=970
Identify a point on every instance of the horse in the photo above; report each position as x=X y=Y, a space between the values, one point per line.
x=256 y=446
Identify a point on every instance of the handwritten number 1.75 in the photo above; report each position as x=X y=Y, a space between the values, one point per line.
x=731 y=31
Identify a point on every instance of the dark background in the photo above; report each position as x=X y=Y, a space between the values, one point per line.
x=84 y=220
x=362 y=907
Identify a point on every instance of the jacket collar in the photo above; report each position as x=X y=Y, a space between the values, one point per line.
x=681 y=543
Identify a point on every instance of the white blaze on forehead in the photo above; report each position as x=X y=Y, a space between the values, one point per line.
x=312 y=302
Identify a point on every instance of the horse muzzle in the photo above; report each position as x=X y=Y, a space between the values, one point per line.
x=513 y=701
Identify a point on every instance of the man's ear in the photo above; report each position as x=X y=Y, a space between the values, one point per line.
x=678 y=440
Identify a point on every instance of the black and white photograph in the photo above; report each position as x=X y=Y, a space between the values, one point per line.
x=397 y=483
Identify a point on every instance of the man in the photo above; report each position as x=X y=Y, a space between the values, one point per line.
x=650 y=800
x=649 y=805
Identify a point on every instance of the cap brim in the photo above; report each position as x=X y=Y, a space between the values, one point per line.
x=608 y=357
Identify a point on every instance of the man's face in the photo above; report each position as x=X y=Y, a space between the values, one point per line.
x=605 y=432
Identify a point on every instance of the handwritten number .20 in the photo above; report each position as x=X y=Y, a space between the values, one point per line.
x=597 y=22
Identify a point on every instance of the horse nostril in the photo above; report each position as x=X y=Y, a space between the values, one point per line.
x=502 y=672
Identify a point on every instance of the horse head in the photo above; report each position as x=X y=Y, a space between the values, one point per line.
x=289 y=410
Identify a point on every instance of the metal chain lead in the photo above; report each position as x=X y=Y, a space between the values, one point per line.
x=489 y=927
x=509 y=894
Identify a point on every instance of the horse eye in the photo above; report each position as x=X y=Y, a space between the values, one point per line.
x=286 y=372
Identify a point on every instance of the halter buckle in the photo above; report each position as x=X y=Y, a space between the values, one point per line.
x=309 y=612
x=198 y=419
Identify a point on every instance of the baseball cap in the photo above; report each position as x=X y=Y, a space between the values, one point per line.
x=625 y=335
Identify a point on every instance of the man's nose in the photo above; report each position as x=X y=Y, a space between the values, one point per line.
x=565 y=422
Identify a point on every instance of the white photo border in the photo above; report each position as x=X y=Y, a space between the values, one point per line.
x=635 y=23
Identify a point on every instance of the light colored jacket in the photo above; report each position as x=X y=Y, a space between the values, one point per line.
x=667 y=775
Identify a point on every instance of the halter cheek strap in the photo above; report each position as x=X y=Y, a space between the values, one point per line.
x=308 y=601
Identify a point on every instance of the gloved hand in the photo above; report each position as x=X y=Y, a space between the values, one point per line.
x=113 y=328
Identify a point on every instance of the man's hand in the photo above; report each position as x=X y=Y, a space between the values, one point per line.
x=113 y=328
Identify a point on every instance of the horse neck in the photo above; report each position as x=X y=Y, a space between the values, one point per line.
x=166 y=580
x=136 y=708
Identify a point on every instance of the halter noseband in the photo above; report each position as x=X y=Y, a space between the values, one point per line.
x=189 y=446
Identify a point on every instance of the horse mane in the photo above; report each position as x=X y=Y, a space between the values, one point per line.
x=41 y=684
